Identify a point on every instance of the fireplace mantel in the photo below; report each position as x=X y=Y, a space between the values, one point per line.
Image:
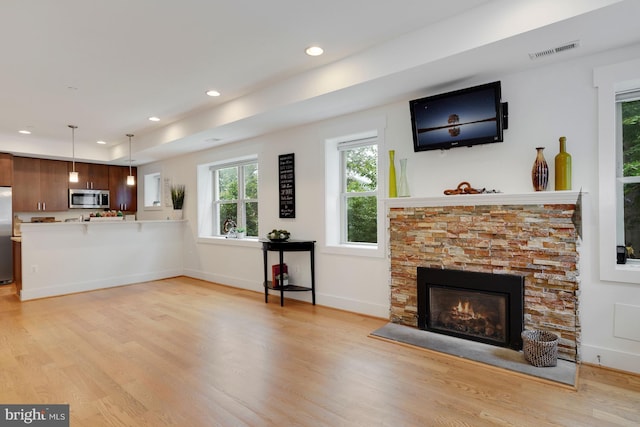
x=533 y=198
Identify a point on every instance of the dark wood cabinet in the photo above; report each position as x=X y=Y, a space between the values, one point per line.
x=40 y=185
x=6 y=170
x=91 y=176
x=123 y=197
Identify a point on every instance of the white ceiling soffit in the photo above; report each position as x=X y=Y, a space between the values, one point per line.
x=125 y=75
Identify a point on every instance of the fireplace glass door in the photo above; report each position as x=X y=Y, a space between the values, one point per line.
x=477 y=306
x=472 y=314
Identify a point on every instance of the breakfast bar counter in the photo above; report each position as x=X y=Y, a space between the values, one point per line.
x=68 y=257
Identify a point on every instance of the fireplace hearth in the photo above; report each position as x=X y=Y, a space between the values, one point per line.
x=482 y=307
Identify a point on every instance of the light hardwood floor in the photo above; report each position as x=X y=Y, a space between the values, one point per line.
x=184 y=352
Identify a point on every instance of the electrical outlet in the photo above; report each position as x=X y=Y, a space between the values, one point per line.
x=35 y=268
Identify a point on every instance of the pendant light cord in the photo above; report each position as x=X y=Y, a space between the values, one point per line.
x=130 y=136
x=73 y=145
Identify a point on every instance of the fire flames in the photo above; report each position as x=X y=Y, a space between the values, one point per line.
x=464 y=311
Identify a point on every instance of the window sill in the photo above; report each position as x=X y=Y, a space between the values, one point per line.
x=252 y=242
x=354 y=250
x=625 y=273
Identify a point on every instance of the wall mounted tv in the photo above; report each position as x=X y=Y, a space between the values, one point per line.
x=463 y=117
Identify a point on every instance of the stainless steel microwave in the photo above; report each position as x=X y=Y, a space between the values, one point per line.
x=88 y=199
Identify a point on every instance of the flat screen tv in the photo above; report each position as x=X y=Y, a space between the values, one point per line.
x=463 y=117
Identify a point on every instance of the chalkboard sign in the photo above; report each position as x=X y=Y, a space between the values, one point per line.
x=287 y=185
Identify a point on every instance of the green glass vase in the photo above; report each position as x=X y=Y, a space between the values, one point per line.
x=563 y=167
x=393 y=189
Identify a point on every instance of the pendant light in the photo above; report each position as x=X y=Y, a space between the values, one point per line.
x=131 y=180
x=73 y=175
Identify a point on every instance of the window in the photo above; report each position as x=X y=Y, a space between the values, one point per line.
x=235 y=197
x=152 y=190
x=617 y=154
x=354 y=175
x=628 y=172
x=359 y=187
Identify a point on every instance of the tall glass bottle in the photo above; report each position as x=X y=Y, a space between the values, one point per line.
x=393 y=192
x=563 y=167
x=403 y=185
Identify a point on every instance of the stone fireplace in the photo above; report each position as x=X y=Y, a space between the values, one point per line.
x=532 y=236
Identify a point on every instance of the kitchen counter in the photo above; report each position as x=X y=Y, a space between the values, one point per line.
x=67 y=257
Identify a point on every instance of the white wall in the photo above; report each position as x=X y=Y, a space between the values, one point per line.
x=63 y=258
x=544 y=103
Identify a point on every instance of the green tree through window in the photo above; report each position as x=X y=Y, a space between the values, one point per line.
x=236 y=196
x=360 y=184
x=630 y=180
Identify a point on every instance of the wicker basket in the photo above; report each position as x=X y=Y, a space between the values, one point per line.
x=540 y=348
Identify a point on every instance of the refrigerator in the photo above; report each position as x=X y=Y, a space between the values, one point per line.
x=6 y=230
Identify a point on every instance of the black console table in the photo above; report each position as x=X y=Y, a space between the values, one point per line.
x=288 y=246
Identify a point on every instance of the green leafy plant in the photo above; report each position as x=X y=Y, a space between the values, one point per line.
x=177 y=195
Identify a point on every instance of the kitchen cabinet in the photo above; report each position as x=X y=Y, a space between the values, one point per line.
x=40 y=185
x=91 y=176
x=6 y=170
x=122 y=196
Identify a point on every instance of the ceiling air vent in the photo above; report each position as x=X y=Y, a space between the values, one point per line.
x=554 y=50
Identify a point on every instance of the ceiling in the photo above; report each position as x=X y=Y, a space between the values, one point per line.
x=107 y=66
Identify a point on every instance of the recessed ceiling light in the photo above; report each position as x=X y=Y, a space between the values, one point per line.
x=101 y=142
x=314 y=51
x=213 y=93
x=24 y=132
x=154 y=119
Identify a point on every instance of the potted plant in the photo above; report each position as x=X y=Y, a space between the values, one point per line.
x=177 y=199
x=241 y=232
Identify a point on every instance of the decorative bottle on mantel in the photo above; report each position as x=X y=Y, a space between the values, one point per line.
x=540 y=171
x=393 y=192
x=563 y=167
x=403 y=186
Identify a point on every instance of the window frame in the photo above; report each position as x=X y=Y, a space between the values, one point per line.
x=205 y=194
x=240 y=202
x=333 y=244
x=609 y=81
x=345 y=195
x=621 y=97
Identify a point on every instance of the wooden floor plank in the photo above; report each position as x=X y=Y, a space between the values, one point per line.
x=182 y=351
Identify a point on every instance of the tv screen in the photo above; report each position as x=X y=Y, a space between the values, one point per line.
x=464 y=117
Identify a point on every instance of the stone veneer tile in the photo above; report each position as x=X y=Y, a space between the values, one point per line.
x=536 y=241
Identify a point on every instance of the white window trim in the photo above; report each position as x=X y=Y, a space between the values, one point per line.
x=205 y=200
x=241 y=183
x=342 y=147
x=332 y=239
x=610 y=80
x=155 y=169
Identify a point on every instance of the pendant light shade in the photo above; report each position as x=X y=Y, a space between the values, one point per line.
x=73 y=175
x=131 y=180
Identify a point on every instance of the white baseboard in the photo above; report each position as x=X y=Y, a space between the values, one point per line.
x=610 y=358
x=111 y=282
x=332 y=301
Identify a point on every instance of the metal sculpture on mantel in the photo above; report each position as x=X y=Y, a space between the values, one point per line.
x=465 y=188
